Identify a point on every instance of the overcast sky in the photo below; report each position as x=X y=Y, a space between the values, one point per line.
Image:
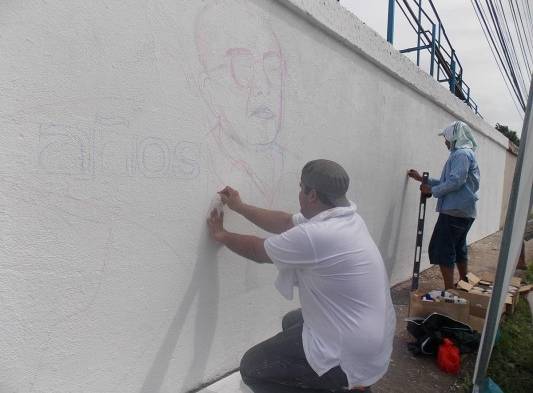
x=480 y=71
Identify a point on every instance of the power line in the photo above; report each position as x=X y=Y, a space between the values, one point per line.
x=509 y=33
x=519 y=34
x=525 y=29
x=514 y=53
x=480 y=12
x=504 y=46
x=495 y=55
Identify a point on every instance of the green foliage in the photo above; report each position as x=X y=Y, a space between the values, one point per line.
x=511 y=365
x=464 y=382
x=510 y=134
x=529 y=273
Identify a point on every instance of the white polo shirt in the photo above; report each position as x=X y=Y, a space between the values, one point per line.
x=349 y=319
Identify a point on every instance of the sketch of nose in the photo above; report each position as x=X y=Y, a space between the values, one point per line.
x=259 y=84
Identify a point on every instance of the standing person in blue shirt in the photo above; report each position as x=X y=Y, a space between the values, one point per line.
x=456 y=191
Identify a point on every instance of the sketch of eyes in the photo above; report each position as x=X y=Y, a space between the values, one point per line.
x=242 y=66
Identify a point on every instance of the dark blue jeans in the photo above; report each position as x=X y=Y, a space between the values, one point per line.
x=278 y=365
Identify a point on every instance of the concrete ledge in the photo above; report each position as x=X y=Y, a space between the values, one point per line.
x=231 y=384
x=346 y=28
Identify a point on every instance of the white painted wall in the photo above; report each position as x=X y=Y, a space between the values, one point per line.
x=115 y=119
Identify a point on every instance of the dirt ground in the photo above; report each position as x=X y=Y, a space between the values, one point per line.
x=408 y=373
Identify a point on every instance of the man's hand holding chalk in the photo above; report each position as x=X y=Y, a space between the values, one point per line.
x=231 y=197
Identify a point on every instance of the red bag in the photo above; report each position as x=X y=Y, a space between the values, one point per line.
x=448 y=357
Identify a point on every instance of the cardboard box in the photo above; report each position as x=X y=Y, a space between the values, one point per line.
x=476 y=323
x=419 y=308
x=489 y=277
x=482 y=285
x=476 y=300
x=479 y=303
x=510 y=303
x=473 y=279
x=478 y=293
x=465 y=286
x=516 y=282
x=486 y=276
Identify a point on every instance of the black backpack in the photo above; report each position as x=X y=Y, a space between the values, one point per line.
x=429 y=332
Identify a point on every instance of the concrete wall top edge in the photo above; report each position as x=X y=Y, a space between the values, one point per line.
x=344 y=26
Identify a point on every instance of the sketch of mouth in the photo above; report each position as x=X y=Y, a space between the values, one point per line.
x=262 y=112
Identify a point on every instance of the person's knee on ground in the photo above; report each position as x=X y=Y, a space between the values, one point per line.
x=292 y=318
x=248 y=366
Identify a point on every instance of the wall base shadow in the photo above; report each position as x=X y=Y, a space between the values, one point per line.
x=205 y=286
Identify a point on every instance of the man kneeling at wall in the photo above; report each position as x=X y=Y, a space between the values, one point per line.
x=341 y=338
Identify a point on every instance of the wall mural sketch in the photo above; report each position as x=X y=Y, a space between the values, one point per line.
x=71 y=190
x=111 y=149
x=121 y=120
x=242 y=85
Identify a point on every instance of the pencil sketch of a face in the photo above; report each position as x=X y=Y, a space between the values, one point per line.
x=241 y=82
x=242 y=72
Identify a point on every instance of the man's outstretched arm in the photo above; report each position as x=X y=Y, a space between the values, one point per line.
x=247 y=246
x=270 y=220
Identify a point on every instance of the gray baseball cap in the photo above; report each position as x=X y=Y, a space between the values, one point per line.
x=329 y=179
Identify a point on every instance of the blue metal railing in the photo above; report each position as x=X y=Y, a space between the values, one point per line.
x=432 y=37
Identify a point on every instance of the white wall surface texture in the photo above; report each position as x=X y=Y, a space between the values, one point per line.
x=120 y=120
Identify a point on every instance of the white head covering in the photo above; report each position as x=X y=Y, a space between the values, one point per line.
x=460 y=136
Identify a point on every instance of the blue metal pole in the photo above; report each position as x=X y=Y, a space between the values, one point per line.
x=390 y=22
x=419 y=32
x=452 y=76
x=438 y=64
x=433 y=44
